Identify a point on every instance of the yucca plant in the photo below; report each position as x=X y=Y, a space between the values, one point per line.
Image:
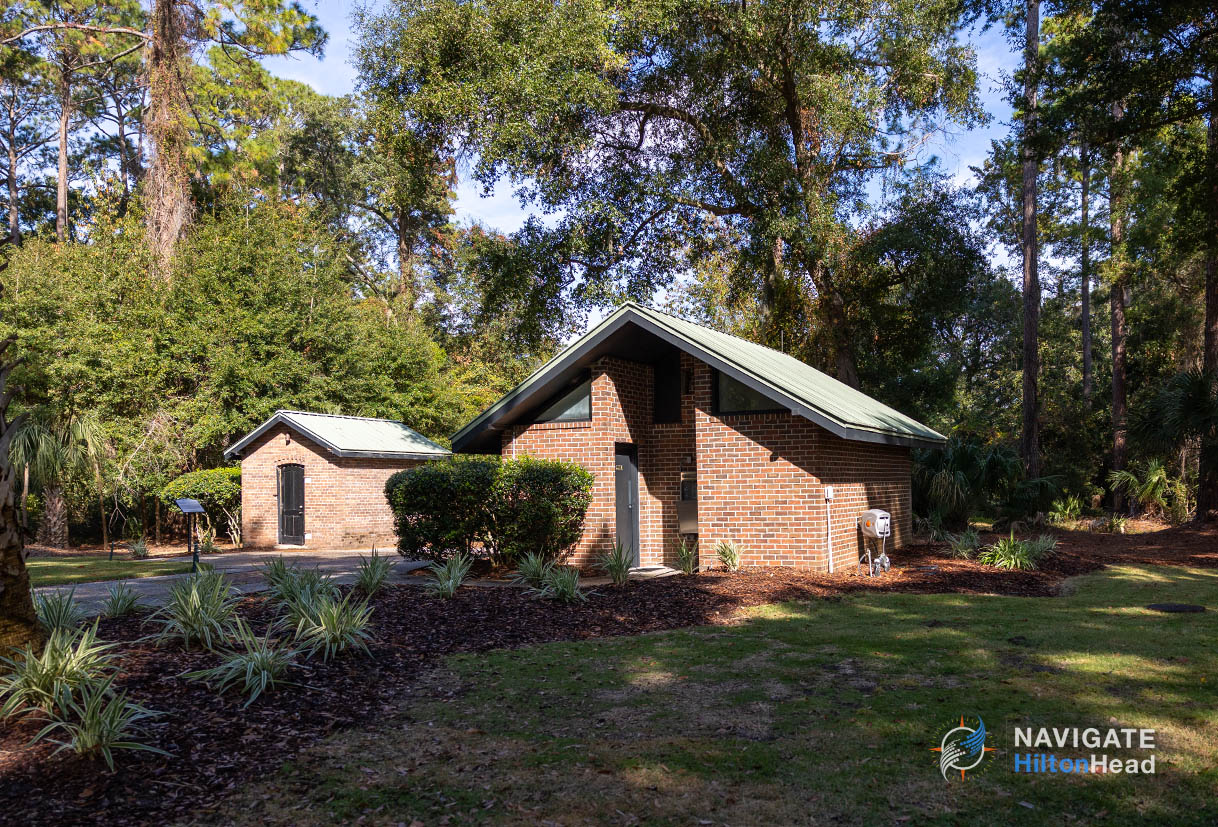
x=69 y=659
x=257 y=664
x=686 y=553
x=333 y=626
x=98 y=720
x=728 y=552
x=449 y=575
x=532 y=569
x=561 y=584
x=965 y=544
x=617 y=563
x=121 y=600
x=276 y=571
x=59 y=610
x=201 y=609
x=1009 y=553
x=139 y=549
x=373 y=572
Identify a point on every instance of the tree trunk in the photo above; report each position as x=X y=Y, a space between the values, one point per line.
x=19 y=625
x=1030 y=441
x=61 y=188
x=1207 y=486
x=1085 y=273
x=14 y=212
x=169 y=203
x=1116 y=302
x=53 y=530
x=843 y=346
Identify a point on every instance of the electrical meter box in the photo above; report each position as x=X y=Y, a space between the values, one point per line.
x=875 y=523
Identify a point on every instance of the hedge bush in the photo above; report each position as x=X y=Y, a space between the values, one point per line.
x=218 y=490
x=489 y=506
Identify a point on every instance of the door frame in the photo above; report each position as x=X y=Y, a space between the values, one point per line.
x=280 y=472
x=630 y=451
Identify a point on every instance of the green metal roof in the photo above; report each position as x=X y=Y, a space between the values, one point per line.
x=350 y=436
x=841 y=409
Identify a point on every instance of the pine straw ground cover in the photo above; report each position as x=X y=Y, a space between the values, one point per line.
x=216 y=746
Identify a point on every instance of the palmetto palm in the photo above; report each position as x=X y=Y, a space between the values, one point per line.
x=1150 y=490
x=49 y=447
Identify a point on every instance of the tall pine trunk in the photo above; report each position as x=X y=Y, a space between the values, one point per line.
x=18 y=621
x=1207 y=488
x=169 y=202
x=1119 y=284
x=14 y=213
x=1030 y=441
x=61 y=187
x=1085 y=271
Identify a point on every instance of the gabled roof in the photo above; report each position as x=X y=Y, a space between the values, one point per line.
x=350 y=436
x=839 y=408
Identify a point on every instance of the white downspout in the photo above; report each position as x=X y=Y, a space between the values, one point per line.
x=829 y=524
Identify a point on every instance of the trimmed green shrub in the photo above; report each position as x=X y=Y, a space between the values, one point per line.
x=501 y=508
x=218 y=490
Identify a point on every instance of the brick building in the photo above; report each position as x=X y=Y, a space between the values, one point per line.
x=318 y=481
x=691 y=431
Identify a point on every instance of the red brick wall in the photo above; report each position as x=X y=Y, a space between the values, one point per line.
x=761 y=477
x=761 y=480
x=344 y=498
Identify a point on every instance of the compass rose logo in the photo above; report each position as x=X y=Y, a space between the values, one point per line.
x=962 y=748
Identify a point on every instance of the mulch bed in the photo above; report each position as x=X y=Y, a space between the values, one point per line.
x=216 y=745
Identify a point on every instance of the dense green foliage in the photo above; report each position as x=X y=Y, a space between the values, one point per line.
x=502 y=508
x=218 y=490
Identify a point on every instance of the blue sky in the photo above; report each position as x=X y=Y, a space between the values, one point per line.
x=334 y=75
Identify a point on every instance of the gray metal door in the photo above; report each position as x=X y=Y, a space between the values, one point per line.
x=626 y=487
x=291 y=505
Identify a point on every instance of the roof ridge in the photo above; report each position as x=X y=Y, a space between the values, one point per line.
x=345 y=416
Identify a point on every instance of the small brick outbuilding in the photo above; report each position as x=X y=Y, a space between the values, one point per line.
x=313 y=480
x=690 y=431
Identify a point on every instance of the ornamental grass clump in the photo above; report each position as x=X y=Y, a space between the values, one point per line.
x=617 y=563
x=449 y=575
x=59 y=610
x=69 y=659
x=965 y=544
x=561 y=584
x=728 y=552
x=686 y=552
x=531 y=570
x=333 y=626
x=121 y=601
x=139 y=549
x=97 y=721
x=256 y=664
x=373 y=573
x=201 y=609
x=1009 y=553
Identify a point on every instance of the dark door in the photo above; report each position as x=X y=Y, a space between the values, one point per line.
x=626 y=487
x=291 y=505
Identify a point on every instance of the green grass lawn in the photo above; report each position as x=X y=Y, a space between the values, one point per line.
x=66 y=571
x=804 y=713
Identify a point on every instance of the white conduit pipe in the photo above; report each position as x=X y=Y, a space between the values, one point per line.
x=829 y=524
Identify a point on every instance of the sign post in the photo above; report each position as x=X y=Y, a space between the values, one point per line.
x=191 y=509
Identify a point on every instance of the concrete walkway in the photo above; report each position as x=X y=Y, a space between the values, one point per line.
x=244 y=570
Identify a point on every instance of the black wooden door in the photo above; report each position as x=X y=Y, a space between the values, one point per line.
x=626 y=488
x=291 y=505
